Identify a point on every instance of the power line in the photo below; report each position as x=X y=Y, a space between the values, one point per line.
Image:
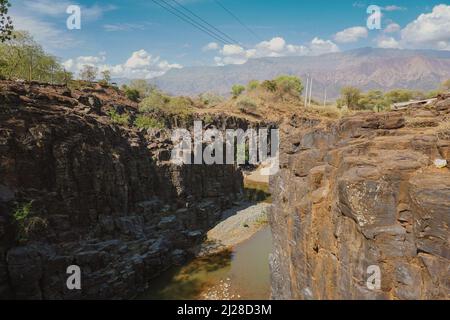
x=206 y=22
x=189 y=20
x=238 y=20
x=199 y=25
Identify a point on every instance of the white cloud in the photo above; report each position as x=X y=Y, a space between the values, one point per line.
x=212 y=46
x=319 y=46
x=276 y=47
x=394 y=8
x=232 y=50
x=392 y=28
x=388 y=42
x=140 y=65
x=277 y=44
x=351 y=35
x=429 y=30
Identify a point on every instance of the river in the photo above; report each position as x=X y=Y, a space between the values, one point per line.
x=240 y=273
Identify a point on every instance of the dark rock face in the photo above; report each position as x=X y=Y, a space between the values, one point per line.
x=358 y=193
x=103 y=197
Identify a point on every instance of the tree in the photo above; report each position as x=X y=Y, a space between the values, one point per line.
x=252 y=85
x=106 y=75
x=143 y=87
x=270 y=85
x=350 y=96
x=289 y=85
x=237 y=90
x=154 y=102
x=88 y=73
x=132 y=94
x=23 y=58
x=6 y=26
x=211 y=99
x=399 y=95
x=373 y=100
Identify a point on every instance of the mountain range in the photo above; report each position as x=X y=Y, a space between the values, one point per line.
x=365 y=68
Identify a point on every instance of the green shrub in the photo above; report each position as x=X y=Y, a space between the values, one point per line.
x=237 y=90
x=146 y=122
x=178 y=109
x=269 y=85
x=211 y=99
x=373 y=100
x=399 y=95
x=26 y=223
x=350 y=97
x=143 y=87
x=132 y=94
x=289 y=85
x=121 y=119
x=253 y=85
x=155 y=102
x=247 y=105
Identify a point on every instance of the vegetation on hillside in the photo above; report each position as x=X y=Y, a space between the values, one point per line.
x=237 y=90
x=23 y=58
x=88 y=73
x=148 y=122
x=121 y=119
x=27 y=223
x=162 y=106
x=6 y=26
x=354 y=99
x=209 y=99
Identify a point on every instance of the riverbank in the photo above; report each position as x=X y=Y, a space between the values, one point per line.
x=239 y=224
x=232 y=264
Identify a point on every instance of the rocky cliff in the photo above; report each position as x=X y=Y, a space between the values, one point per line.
x=361 y=192
x=76 y=189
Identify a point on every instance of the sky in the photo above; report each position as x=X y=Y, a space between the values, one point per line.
x=139 y=39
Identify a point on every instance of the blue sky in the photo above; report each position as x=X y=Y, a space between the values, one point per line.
x=137 y=38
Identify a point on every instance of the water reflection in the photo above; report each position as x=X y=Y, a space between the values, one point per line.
x=242 y=273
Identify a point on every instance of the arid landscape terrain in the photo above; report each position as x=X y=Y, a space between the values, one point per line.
x=338 y=190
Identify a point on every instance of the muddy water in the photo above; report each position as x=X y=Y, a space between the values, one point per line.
x=242 y=273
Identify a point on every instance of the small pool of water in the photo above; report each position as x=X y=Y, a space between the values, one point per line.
x=242 y=273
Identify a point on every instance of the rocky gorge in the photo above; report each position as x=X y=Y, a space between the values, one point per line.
x=95 y=194
x=359 y=192
x=354 y=192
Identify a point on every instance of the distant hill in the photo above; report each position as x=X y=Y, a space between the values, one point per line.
x=366 y=68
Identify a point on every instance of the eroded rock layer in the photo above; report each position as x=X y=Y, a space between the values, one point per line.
x=358 y=193
x=102 y=196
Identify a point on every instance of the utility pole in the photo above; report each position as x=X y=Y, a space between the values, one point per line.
x=310 y=91
x=325 y=98
x=306 y=91
x=51 y=74
x=30 y=71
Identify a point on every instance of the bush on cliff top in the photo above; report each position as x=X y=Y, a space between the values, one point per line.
x=147 y=122
x=121 y=119
x=247 y=105
x=162 y=105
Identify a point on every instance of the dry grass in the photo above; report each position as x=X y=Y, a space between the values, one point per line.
x=443 y=130
x=420 y=123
